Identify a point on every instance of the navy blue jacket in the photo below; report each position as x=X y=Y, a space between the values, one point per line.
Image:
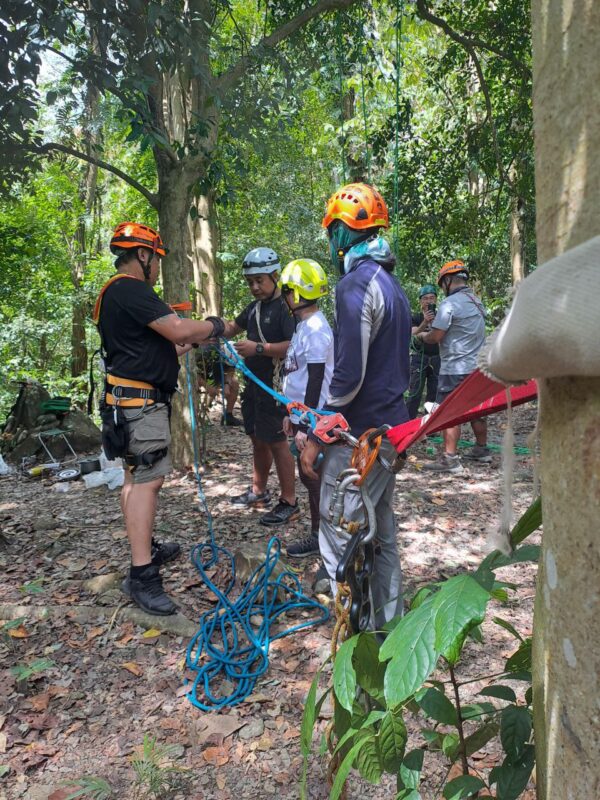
x=371 y=348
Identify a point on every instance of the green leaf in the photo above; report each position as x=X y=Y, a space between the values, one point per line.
x=370 y=672
x=529 y=552
x=520 y=661
x=463 y=786
x=437 y=706
x=4 y=769
x=459 y=605
x=474 y=711
x=410 y=769
x=433 y=738
x=529 y=522
x=508 y=627
x=344 y=675
x=408 y=794
x=392 y=740
x=420 y=597
x=343 y=770
x=501 y=692
x=515 y=730
x=369 y=759
x=512 y=777
x=450 y=745
x=311 y=710
x=411 y=646
x=481 y=737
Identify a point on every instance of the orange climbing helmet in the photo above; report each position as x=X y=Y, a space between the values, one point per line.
x=453 y=268
x=359 y=206
x=133 y=234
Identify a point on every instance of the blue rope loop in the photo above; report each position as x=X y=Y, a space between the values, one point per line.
x=233 y=639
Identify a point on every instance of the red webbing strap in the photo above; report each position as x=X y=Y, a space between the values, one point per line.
x=477 y=396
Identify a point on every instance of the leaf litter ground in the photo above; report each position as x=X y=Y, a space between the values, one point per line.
x=110 y=680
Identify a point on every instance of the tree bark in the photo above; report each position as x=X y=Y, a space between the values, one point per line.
x=517 y=240
x=566 y=42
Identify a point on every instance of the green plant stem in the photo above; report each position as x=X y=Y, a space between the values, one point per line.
x=459 y=722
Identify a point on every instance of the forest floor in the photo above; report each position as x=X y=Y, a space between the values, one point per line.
x=108 y=681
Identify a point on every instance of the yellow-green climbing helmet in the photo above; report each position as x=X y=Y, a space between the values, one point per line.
x=305 y=277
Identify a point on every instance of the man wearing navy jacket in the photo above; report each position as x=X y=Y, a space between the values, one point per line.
x=371 y=374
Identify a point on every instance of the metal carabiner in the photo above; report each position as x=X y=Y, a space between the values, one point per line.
x=336 y=506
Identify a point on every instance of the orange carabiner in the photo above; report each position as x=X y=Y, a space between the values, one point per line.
x=365 y=454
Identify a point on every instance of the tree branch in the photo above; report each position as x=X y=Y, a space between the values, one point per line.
x=469 y=41
x=469 y=46
x=51 y=147
x=232 y=75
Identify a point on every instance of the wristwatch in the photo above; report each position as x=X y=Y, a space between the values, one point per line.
x=260 y=349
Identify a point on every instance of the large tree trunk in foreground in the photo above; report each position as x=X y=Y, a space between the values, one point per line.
x=566 y=43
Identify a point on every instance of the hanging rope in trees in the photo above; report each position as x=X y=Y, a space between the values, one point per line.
x=339 y=46
x=399 y=15
x=362 y=24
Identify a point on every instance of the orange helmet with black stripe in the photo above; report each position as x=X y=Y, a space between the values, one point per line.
x=359 y=206
x=452 y=268
x=133 y=234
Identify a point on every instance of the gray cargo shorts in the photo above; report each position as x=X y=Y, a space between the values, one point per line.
x=149 y=430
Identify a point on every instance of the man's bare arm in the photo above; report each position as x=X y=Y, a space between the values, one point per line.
x=231 y=329
x=181 y=330
x=434 y=336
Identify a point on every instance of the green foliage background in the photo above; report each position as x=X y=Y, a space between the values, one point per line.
x=288 y=139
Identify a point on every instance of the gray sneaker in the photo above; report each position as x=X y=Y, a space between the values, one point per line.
x=479 y=453
x=445 y=463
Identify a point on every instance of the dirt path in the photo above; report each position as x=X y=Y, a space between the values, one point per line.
x=107 y=684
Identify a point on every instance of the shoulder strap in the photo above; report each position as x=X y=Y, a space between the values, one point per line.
x=98 y=304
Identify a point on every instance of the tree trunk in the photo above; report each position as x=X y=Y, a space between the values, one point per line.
x=517 y=240
x=566 y=42
x=175 y=188
x=203 y=234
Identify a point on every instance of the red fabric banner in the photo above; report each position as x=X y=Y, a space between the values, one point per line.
x=477 y=396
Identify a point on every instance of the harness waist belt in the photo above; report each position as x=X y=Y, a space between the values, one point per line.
x=129 y=393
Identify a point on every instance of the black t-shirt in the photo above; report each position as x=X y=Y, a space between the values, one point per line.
x=417 y=346
x=133 y=350
x=277 y=325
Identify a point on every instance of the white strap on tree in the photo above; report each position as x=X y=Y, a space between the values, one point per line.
x=277 y=362
x=553 y=327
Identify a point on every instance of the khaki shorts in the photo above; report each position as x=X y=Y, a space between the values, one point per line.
x=149 y=430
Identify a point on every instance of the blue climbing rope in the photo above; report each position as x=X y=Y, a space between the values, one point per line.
x=231 y=647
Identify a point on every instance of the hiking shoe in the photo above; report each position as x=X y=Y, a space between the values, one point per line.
x=445 y=463
x=309 y=546
x=248 y=498
x=479 y=453
x=283 y=512
x=164 y=551
x=322 y=582
x=230 y=421
x=147 y=592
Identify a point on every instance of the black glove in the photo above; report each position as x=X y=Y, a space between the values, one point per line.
x=218 y=326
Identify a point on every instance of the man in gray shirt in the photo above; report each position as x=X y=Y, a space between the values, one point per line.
x=459 y=329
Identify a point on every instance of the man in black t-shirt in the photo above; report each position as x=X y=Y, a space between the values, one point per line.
x=424 y=358
x=269 y=327
x=142 y=339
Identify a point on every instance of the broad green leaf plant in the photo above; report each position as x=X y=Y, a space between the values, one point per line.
x=377 y=680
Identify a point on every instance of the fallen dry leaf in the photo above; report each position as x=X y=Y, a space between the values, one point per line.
x=39 y=702
x=95 y=632
x=3 y=740
x=221 y=781
x=19 y=633
x=151 y=633
x=216 y=755
x=134 y=668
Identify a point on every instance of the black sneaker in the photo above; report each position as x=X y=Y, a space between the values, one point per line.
x=479 y=453
x=164 y=551
x=322 y=582
x=309 y=546
x=230 y=421
x=147 y=592
x=283 y=512
x=251 y=499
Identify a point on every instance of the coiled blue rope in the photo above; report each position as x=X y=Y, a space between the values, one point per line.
x=232 y=643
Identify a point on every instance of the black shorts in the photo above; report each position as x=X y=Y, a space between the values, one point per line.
x=447 y=384
x=263 y=416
